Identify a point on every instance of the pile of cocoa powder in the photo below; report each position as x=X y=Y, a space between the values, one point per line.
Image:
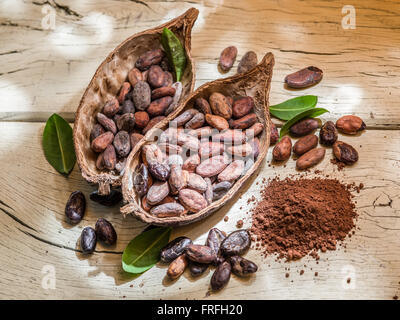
x=296 y=217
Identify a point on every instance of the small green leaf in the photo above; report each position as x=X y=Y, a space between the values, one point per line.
x=290 y=108
x=311 y=113
x=175 y=52
x=58 y=144
x=143 y=252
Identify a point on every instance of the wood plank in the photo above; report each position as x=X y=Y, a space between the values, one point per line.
x=45 y=71
x=34 y=233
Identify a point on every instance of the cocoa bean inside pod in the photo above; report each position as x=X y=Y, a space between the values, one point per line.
x=220 y=105
x=203 y=105
x=157 y=192
x=174 y=249
x=220 y=189
x=192 y=200
x=170 y=209
x=111 y=108
x=141 y=180
x=328 y=134
x=242 y=106
x=105 y=231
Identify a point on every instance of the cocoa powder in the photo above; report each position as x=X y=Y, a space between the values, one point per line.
x=296 y=217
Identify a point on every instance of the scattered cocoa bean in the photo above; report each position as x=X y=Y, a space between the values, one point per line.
x=128 y=107
x=310 y=158
x=157 y=192
x=236 y=243
x=192 y=200
x=111 y=108
x=109 y=157
x=105 y=231
x=174 y=249
x=141 y=95
x=220 y=106
x=345 y=152
x=107 y=123
x=350 y=124
x=305 y=144
x=197 y=269
x=328 y=134
x=221 y=276
x=149 y=58
x=122 y=143
x=304 y=127
x=282 y=150
x=200 y=254
x=232 y=172
x=217 y=122
x=203 y=105
x=100 y=143
x=242 y=267
x=88 y=240
x=304 y=78
x=214 y=239
x=162 y=92
x=242 y=107
x=227 y=58
x=75 y=207
x=109 y=200
x=177 y=267
x=248 y=61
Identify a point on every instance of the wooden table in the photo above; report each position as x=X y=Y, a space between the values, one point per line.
x=46 y=71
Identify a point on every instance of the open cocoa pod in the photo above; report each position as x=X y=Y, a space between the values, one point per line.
x=107 y=83
x=254 y=84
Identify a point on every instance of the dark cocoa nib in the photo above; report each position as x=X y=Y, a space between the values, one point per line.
x=109 y=200
x=304 y=78
x=174 y=249
x=75 y=207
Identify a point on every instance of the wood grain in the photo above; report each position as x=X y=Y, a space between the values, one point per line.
x=46 y=71
x=34 y=233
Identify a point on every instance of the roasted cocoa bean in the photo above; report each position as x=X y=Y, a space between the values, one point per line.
x=304 y=78
x=304 y=127
x=128 y=107
x=152 y=153
x=202 y=133
x=111 y=108
x=135 y=76
x=242 y=267
x=158 y=170
x=157 y=192
x=141 y=95
x=192 y=200
x=109 y=157
x=231 y=136
x=185 y=117
x=177 y=267
x=197 y=121
x=196 y=183
x=170 y=209
x=96 y=131
x=255 y=145
x=75 y=207
x=141 y=180
x=200 y=254
x=220 y=189
x=149 y=58
x=248 y=61
x=217 y=122
x=255 y=130
x=236 y=243
x=328 y=134
x=282 y=150
x=177 y=180
x=227 y=58
x=123 y=92
x=197 y=269
x=242 y=150
x=162 y=92
x=208 y=149
x=350 y=124
x=203 y=105
x=105 y=231
x=170 y=148
x=176 y=98
x=174 y=249
x=208 y=194
x=88 y=240
x=122 y=143
x=212 y=166
x=135 y=138
x=221 y=276
x=156 y=76
x=109 y=200
x=242 y=107
x=107 y=123
x=191 y=163
x=188 y=142
x=345 y=152
x=244 y=122
x=100 y=143
x=305 y=144
x=220 y=106
x=152 y=123
x=232 y=172
x=214 y=239
x=310 y=158
x=126 y=122
x=158 y=107
x=141 y=119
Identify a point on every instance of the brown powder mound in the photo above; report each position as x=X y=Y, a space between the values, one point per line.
x=298 y=217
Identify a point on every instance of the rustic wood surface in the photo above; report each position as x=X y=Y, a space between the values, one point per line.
x=46 y=71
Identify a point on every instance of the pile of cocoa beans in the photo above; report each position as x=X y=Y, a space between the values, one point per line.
x=198 y=158
x=223 y=252
x=306 y=147
x=145 y=98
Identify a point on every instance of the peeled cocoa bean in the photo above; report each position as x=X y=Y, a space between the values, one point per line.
x=328 y=134
x=126 y=122
x=203 y=105
x=220 y=189
x=141 y=180
x=231 y=136
x=214 y=239
x=75 y=207
x=158 y=107
x=170 y=209
x=220 y=106
x=122 y=143
x=227 y=58
x=100 y=143
x=105 y=231
x=160 y=171
x=217 y=122
x=196 y=122
x=304 y=127
x=169 y=148
x=305 y=144
x=109 y=200
x=197 y=269
x=88 y=240
x=304 y=78
x=111 y=108
x=156 y=76
x=109 y=157
x=107 y=123
x=128 y=107
x=212 y=166
x=175 y=99
x=177 y=267
x=200 y=254
x=244 y=122
x=152 y=123
x=174 y=249
x=208 y=149
x=162 y=92
x=126 y=87
x=243 y=150
x=242 y=107
x=96 y=131
x=135 y=138
x=282 y=150
x=235 y=244
x=157 y=192
x=192 y=200
x=191 y=163
x=149 y=58
x=221 y=276
x=135 y=76
x=232 y=172
x=208 y=194
x=310 y=158
x=248 y=61
x=345 y=152
x=196 y=183
x=175 y=160
x=241 y=266
x=141 y=95
x=185 y=117
x=350 y=124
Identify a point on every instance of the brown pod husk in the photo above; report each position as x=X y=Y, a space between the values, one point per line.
x=107 y=81
x=255 y=83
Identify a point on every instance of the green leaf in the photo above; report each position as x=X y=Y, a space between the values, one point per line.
x=58 y=144
x=175 y=52
x=311 y=113
x=290 y=108
x=143 y=252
